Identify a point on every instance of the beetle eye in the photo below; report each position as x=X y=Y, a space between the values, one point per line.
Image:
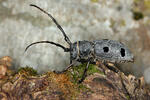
x=122 y=51
x=106 y=49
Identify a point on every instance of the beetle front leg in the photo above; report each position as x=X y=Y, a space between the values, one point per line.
x=84 y=73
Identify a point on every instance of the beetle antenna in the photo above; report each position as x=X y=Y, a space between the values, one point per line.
x=65 y=49
x=54 y=20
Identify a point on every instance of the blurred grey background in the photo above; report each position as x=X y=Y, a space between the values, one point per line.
x=127 y=21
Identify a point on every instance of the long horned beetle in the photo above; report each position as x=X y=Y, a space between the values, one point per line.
x=90 y=51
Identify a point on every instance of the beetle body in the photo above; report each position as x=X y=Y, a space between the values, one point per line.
x=90 y=51
x=104 y=50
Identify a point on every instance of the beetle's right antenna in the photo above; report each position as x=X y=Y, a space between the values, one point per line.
x=61 y=29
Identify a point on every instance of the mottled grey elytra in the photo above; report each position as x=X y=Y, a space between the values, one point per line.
x=104 y=50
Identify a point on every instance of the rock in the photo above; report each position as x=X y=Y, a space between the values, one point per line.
x=3 y=70
x=6 y=60
x=21 y=25
x=5 y=63
x=97 y=85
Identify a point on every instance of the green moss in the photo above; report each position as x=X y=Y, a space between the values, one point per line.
x=128 y=97
x=28 y=70
x=93 y=69
x=77 y=71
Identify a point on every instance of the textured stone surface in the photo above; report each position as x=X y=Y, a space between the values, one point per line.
x=98 y=85
x=21 y=25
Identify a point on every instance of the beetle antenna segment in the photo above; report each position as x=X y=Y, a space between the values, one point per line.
x=54 y=20
x=65 y=49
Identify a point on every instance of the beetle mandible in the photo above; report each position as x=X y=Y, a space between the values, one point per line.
x=104 y=50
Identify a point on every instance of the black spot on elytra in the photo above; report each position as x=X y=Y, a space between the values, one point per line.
x=122 y=51
x=106 y=49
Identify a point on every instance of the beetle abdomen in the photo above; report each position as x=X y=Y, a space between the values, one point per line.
x=111 y=51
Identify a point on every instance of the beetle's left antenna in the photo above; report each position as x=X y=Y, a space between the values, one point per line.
x=50 y=42
x=61 y=29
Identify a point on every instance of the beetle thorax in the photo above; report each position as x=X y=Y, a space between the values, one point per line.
x=81 y=50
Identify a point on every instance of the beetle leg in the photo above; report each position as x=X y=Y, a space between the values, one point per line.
x=112 y=67
x=84 y=73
